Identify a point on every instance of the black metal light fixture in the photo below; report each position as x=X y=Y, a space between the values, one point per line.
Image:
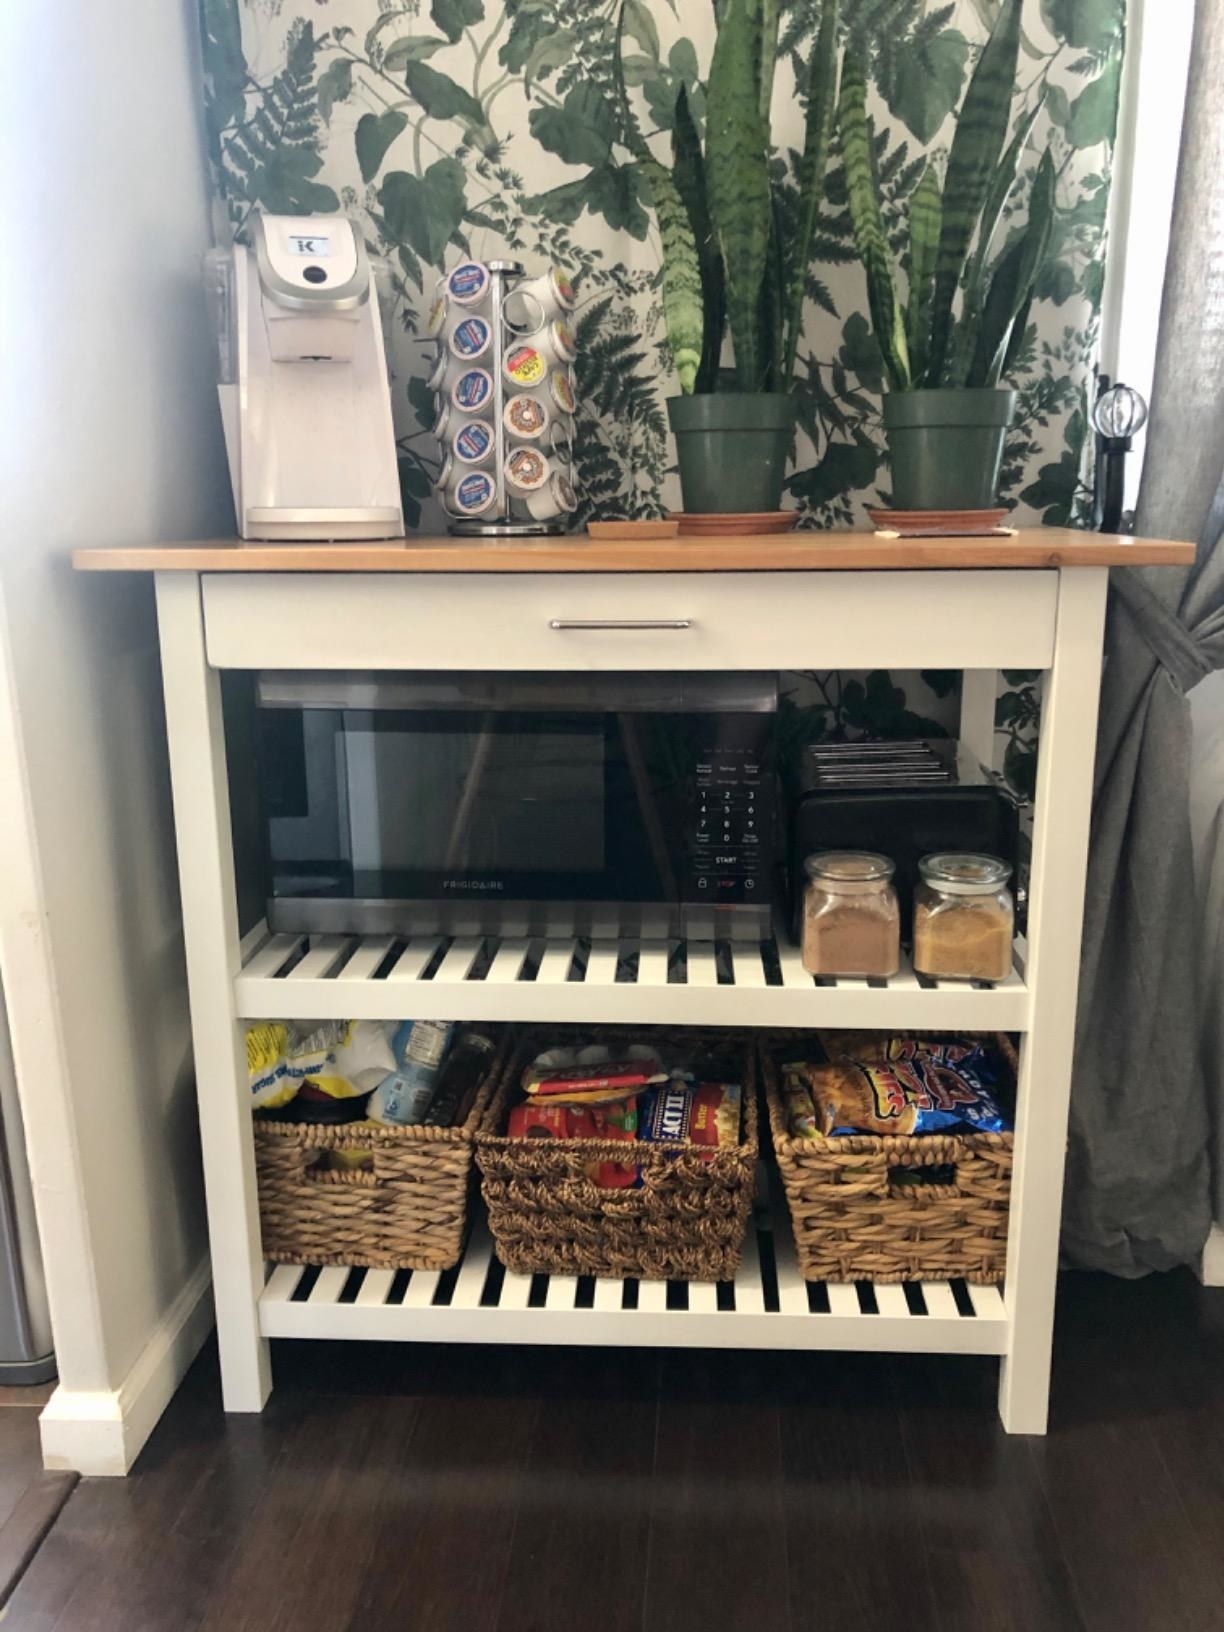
x=1118 y=415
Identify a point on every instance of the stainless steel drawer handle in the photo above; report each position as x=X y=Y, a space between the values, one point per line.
x=620 y=623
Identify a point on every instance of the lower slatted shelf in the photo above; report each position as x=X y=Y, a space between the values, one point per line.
x=624 y=980
x=768 y=1306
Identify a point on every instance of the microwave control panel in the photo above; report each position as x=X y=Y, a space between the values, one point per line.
x=730 y=826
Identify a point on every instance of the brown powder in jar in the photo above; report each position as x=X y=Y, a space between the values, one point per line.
x=969 y=941
x=854 y=938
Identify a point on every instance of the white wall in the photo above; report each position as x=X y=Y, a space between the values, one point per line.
x=109 y=433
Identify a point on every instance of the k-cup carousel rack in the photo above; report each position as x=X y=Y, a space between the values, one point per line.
x=504 y=383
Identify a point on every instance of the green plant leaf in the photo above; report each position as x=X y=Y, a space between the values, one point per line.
x=869 y=234
x=682 y=60
x=552 y=52
x=925 y=210
x=424 y=211
x=441 y=96
x=424 y=404
x=1057 y=105
x=453 y=16
x=1012 y=284
x=1094 y=113
x=966 y=336
x=682 y=304
x=374 y=135
x=335 y=84
x=413 y=48
x=810 y=175
x=737 y=180
x=859 y=354
x=581 y=130
x=533 y=21
x=617 y=192
x=224 y=65
x=688 y=170
x=767 y=57
x=926 y=80
x=981 y=130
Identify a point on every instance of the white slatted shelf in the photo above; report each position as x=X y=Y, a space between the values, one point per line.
x=757 y=1314
x=474 y=977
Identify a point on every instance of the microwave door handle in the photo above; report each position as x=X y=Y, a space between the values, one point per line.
x=620 y=623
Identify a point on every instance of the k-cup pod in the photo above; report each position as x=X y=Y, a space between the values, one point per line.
x=471 y=494
x=561 y=390
x=468 y=283
x=557 y=498
x=474 y=443
x=442 y=423
x=437 y=313
x=473 y=390
x=526 y=416
x=552 y=289
x=470 y=338
x=438 y=372
x=523 y=312
x=443 y=479
x=526 y=365
x=561 y=337
x=526 y=471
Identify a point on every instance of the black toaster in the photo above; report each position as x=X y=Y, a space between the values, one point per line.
x=902 y=799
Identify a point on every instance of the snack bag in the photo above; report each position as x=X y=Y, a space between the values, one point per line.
x=592 y=1085
x=547 y=1121
x=800 y=1111
x=265 y=1051
x=911 y=1086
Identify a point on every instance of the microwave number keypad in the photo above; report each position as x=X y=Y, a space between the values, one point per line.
x=728 y=824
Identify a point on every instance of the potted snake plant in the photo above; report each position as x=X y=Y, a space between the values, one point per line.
x=729 y=262
x=946 y=415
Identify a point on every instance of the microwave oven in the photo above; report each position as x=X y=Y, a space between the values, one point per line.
x=527 y=804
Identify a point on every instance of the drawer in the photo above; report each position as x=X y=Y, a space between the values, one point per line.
x=676 y=621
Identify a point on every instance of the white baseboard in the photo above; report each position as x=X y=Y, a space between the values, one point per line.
x=1211 y=1270
x=103 y=1433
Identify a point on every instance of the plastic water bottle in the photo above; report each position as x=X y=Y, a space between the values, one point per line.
x=420 y=1048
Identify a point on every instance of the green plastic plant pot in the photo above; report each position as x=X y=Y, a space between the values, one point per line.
x=731 y=447
x=946 y=446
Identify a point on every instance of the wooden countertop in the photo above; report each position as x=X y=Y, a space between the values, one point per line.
x=788 y=552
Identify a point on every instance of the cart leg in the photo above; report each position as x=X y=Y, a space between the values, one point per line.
x=210 y=925
x=1056 y=900
x=979 y=688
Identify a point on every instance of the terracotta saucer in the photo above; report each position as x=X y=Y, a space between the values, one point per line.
x=939 y=523
x=696 y=525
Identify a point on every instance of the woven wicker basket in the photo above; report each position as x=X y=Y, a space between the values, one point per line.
x=410 y=1211
x=686 y=1221
x=852 y=1223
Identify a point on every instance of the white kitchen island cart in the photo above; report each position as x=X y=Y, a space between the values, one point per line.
x=803 y=601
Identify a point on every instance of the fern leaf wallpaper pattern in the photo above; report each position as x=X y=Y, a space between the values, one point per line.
x=456 y=127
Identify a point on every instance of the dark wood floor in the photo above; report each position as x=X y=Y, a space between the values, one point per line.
x=527 y=1491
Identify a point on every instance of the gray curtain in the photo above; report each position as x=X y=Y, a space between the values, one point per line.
x=1138 y=1183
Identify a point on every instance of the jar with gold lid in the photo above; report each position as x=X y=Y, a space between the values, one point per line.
x=964 y=918
x=851 y=917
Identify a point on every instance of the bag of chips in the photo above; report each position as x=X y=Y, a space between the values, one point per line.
x=702 y=1113
x=548 y=1121
x=908 y=1085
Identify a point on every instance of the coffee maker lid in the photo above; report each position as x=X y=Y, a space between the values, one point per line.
x=310 y=263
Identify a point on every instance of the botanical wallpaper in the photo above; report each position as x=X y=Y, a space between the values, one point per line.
x=457 y=127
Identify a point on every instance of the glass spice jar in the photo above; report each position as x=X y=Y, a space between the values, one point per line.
x=851 y=918
x=964 y=918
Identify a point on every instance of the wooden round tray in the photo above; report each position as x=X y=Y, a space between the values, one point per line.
x=938 y=523
x=695 y=525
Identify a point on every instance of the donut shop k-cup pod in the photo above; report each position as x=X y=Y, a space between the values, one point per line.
x=562 y=340
x=556 y=499
x=443 y=479
x=470 y=338
x=526 y=416
x=442 y=422
x=473 y=390
x=561 y=390
x=561 y=441
x=468 y=283
x=525 y=365
x=526 y=471
x=471 y=494
x=474 y=443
